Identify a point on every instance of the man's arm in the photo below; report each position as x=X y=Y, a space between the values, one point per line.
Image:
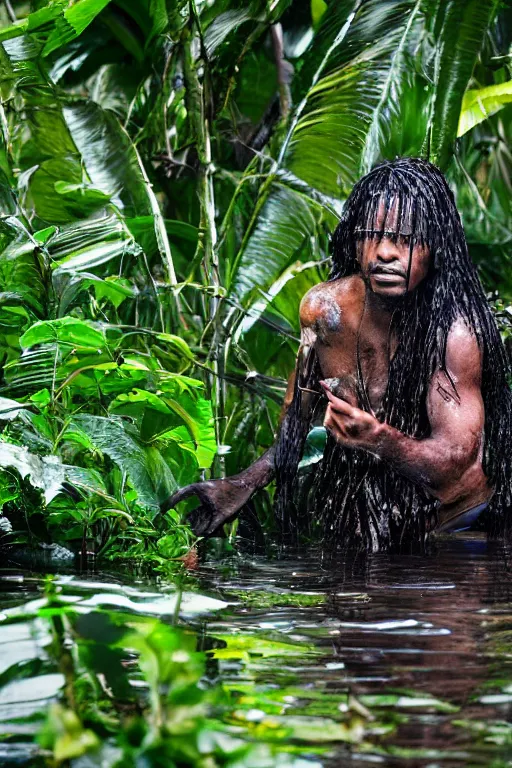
x=222 y=499
x=456 y=415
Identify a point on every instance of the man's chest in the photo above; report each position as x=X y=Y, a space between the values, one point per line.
x=355 y=368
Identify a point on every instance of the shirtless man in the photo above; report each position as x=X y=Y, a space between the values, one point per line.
x=402 y=287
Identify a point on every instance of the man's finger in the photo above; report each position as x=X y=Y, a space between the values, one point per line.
x=341 y=406
x=337 y=403
x=333 y=420
x=183 y=493
x=199 y=519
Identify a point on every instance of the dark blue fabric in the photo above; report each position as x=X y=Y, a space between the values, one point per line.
x=463 y=521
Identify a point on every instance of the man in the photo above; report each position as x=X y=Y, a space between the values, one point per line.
x=401 y=349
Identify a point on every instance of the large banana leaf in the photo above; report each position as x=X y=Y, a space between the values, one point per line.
x=76 y=156
x=108 y=155
x=22 y=275
x=286 y=225
x=464 y=26
x=369 y=53
x=354 y=92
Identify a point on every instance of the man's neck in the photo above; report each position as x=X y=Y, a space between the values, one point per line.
x=378 y=310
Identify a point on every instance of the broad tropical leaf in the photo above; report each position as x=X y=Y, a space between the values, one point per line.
x=58 y=21
x=464 y=24
x=354 y=92
x=480 y=103
x=286 y=225
x=44 y=472
x=110 y=437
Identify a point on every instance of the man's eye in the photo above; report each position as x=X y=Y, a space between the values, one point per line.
x=404 y=239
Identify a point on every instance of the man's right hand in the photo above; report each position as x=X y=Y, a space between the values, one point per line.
x=220 y=501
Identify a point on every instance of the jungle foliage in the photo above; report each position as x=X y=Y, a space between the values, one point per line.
x=170 y=171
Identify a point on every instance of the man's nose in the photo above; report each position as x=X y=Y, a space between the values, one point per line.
x=387 y=250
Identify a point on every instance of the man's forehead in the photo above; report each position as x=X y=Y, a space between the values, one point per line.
x=393 y=215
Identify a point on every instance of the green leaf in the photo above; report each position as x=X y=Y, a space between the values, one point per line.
x=108 y=155
x=88 y=480
x=45 y=473
x=284 y=294
x=314 y=448
x=69 y=285
x=21 y=268
x=68 y=331
x=286 y=224
x=240 y=646
x=158 y=417
x=101 y=253
x=65 y=735
x=114 y=166
x=150 y=412
x=318 y=8
x=225 y=23
x=354 y=91
x=34 y=22
x=41 y=399
x=198 y=417
x=59 y=193
x=63 y=23
x=172 y=546
x=110 y=437
x=479 y=103
x=464 y=26
x=179 y=344
x=72 y=23
x=164 y=482
x=34 y=370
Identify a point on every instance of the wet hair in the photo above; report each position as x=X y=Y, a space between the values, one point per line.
x=353 y=495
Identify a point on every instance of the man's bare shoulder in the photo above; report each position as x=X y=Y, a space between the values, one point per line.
x=326 y=299
x=463 y=353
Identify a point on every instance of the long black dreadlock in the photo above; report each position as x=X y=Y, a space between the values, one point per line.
x=356 y=498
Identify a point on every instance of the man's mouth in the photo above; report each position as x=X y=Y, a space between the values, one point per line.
x=387 y=276
x=387 y=271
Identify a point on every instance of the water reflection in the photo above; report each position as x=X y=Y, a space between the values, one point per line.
x=408 y=626
x=410 y=655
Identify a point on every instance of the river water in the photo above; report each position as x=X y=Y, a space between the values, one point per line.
x=368 y=660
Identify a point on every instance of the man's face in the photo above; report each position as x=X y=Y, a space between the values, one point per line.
x=384 y=263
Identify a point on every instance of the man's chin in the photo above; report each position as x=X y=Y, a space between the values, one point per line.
x=389 y=293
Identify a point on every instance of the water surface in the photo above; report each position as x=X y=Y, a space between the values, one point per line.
x=377 y=660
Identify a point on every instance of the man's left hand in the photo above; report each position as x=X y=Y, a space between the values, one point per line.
x=351 y=426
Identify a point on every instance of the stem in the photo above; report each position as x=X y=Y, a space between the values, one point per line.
x=165 y=75
x=177 y=607
x=10 y=11
x=162 y=239
x=83 y=553
x=160 y=230
x=206 y=250
x=282 y=73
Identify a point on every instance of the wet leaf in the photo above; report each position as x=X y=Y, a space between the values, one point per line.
x=248 y=646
